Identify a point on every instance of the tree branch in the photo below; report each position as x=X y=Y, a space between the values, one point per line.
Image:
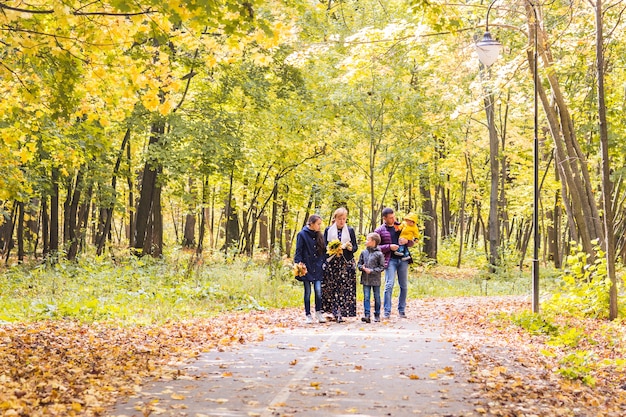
x=75 y=12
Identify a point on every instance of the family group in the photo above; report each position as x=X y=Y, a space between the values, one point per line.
x=325 y=263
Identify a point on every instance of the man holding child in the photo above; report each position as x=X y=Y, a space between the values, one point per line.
x=390 y=241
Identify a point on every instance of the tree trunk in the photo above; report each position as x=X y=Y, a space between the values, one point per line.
x=263 y=232
x=445 y=211
x=6 y=231
x=31 y=233
x=54 y=214
x=570 y=159
x=146 y=208
x=108 y=213
x=212 y=237
x=83 y=218
x=494 y=221
x=8 y=242
x=232 y=221
x=554 y=232
x=45 y=227
x=157 y=224
x=462 y=218
x=273 y=220
x=607 y=186
x=430 y=221
x=20 y=232
x=131 y=199
x=71 y=215
x=189 y=239
x=66 y=212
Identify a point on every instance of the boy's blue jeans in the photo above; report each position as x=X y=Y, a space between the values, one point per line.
x=367 y=290
x=317 y=286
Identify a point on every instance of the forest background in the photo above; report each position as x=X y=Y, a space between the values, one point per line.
x=221 y=128
x=158 y=158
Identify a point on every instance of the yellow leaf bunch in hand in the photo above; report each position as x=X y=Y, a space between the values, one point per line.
x=299 y=269
x=334 y=247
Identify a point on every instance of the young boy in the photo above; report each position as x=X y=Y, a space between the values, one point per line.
x=371 y=264
x=408 y=230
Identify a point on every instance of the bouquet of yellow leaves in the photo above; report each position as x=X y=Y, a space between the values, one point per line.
x=334 y=248
x=299 y=270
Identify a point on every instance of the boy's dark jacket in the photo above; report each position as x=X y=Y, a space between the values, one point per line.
x=374 y=259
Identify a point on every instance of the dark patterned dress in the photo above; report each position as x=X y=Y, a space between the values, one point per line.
x=339 y=284
x=339 y=287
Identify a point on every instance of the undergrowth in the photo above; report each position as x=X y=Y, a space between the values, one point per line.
x=582 y=297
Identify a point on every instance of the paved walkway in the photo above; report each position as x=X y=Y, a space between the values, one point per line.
x=401 y=367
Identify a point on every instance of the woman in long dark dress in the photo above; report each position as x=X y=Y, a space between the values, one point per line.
x=339 y=285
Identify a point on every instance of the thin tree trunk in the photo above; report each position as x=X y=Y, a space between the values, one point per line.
x=54 y=214
x=273 y=220
x=106 y=227
x=20 y=232
x=8 y=243
x=131 y=199
x=607 y=186
x=72 y=216
x=83 y=219
x=45 y=226
x=462 y=218
x=230 y=235
x=494 y=221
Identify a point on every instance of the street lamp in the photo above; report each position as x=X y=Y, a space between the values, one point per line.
x=488 y=50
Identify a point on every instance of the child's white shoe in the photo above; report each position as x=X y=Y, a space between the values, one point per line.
x=308 y=319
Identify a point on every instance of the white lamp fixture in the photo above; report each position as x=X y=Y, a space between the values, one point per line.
x=488 y=49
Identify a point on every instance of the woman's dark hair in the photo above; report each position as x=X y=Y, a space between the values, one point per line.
x=319 y=237
x=313 y=218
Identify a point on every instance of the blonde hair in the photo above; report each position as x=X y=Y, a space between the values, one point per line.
x=375 y=237
x=340 y=211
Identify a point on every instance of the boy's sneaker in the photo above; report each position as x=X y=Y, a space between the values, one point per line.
x=402 y=315
x=366 y=319
x=320 y=317
x=308 y=319
x=376 y=318
x=386 y=316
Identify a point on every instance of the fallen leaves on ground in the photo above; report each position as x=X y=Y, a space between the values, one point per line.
x=66 y=368
x=515 y=374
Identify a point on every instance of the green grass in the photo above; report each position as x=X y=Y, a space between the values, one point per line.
x=145 y=290
x=139 y=290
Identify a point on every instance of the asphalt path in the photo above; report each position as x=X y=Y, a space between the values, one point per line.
x=398 y=367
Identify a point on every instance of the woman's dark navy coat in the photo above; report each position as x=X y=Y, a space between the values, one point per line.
x=307 y=253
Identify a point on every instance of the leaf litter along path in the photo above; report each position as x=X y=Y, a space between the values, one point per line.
x=400 y=367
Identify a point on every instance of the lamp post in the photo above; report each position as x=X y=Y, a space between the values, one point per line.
x=488 y=50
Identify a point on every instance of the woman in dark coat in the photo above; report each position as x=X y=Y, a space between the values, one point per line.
x=339 y=286
x=310 y=251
